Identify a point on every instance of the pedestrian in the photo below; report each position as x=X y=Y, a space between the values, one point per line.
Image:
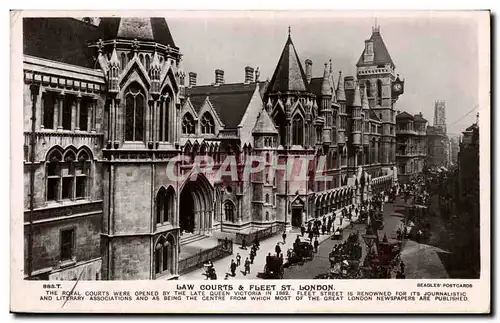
x=297 y=241
x=341 y=219
x=316 y=245
x=238 y=259
x=247 y=267
x=323 y=229
x=277 y=249
x=233 y=268
x=244 y=244
x=252 y=257
x=256 y=243
x=310 y=235
x=284 y=237
x=302 y=230
x=402 y=266
x=226 y=243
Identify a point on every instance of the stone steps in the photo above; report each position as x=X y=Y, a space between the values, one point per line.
x=187 y=238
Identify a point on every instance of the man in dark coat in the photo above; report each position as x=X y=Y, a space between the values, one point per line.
x=244 y=244
x=316 y=245
x=311 y=234
x=256 y=243
x=277 y=249
x=284 y=237
x=252 y=256
x=247 y=266
x=302 y=230
x=233 y=268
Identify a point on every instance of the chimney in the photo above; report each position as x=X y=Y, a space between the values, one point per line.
x=192 y=79
x=248 y=74
x=219 y=77
x=309 y=70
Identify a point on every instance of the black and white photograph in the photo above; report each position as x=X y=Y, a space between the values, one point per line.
x=267 y=146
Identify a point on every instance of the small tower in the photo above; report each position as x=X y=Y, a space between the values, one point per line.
x=114 y=71
x=340 y=95
x=326 y=111
x=356 y=117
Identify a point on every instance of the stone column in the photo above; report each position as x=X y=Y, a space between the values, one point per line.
x=94 y=115
x=60 y=108
x=77 y=121
x=42 y=126
x=112 y=120
x=90 y=115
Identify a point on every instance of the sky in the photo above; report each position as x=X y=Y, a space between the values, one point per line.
x=437 y=56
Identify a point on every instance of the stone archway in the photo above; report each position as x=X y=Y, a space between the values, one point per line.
x=196 y=205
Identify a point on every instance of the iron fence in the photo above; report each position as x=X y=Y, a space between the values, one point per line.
x=222 y=249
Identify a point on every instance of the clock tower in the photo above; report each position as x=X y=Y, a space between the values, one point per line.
x=376 y=72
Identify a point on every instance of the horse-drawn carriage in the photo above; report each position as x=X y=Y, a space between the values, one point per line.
x=274 y=268
x=389 y=252
x=301 y=252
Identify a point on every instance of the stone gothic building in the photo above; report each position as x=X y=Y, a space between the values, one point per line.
x=109 y=117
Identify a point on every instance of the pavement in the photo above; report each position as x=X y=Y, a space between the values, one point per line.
x=266 y=246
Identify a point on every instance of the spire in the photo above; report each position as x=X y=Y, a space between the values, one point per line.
x=356 y=102
x=155 y=64
x=332 y=83
x=326 y=85
x=340 y=88
x=289 y=75
x=364 y=100
x=114 y=61
x=269 y=105
x=375 y=47
x=288 y=103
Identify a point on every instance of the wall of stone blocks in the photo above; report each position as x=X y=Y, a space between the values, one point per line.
x=131 y=258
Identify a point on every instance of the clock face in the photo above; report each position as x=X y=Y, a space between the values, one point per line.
x=397 y=87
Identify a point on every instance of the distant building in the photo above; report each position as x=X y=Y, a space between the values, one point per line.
x=438 y=144
x=454 y=148
x=411 y=144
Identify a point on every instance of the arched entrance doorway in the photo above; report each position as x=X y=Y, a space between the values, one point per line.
x=196 y=205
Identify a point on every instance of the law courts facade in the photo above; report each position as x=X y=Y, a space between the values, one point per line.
x=107 y=106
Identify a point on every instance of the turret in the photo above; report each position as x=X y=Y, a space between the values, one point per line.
x=114 y=71
x=340 y=89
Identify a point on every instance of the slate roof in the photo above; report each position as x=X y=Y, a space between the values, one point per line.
x=264 y=124
x=62 y=40
x=419 y=118
x=152 y=29
x=381 y=54
x=289 y=74
x=404 y=116
x=230 y=101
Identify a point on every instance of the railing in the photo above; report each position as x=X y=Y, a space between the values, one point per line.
x=222 y=249
x=259 y=234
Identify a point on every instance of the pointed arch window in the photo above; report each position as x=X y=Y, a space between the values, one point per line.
x=207 y=124
x=267 y=216
x=148 y=63
x=165 y=205
x=164 y=256
x=379 y=92
x=229 y=211
x=298 y=130
x=280 y=123
x=134 y=113
x=188 y=124
x=53 y=176
x=267 y=198
x=164 y=121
